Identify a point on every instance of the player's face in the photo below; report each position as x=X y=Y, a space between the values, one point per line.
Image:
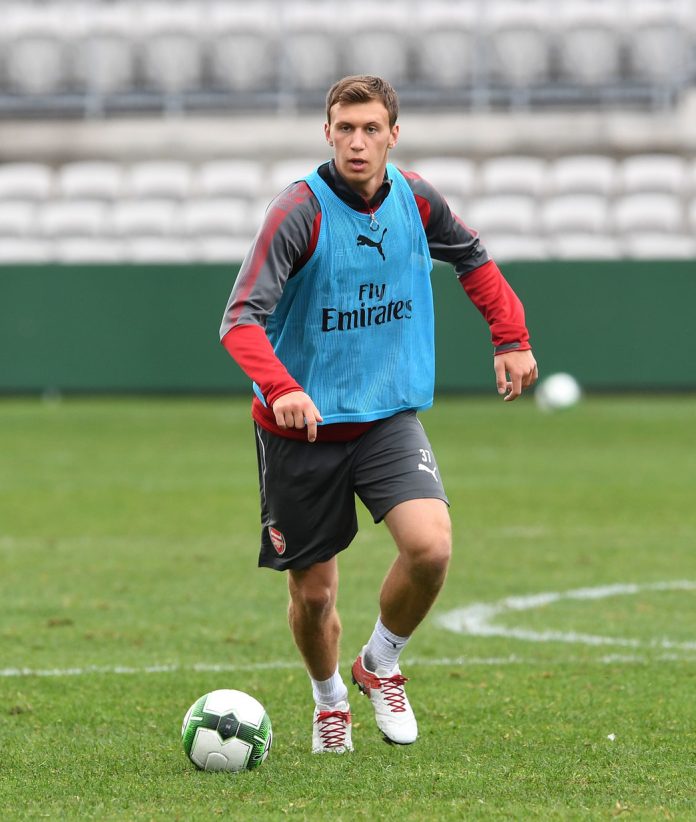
x=361 y=138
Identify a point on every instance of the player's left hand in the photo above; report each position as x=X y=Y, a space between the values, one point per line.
x=514 y=371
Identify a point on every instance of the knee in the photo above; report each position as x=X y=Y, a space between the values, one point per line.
x=428 y=551
x=315 y=600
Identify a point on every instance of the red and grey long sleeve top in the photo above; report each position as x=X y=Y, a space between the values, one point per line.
x=286 y=241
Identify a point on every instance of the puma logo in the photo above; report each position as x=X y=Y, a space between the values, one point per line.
x=432 y=471
x=363 y=240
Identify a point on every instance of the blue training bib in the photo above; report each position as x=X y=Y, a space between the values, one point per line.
x=355 y=326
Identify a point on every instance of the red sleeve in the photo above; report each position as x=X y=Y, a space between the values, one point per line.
x=490 y=292
x=251 y=349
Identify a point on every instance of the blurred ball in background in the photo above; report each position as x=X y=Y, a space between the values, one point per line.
x=557 y=392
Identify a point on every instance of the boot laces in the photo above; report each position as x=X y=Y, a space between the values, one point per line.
x=332 y=727
x=392 y=689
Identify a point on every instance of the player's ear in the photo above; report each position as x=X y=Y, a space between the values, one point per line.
x=394 y=135
x=327 y=133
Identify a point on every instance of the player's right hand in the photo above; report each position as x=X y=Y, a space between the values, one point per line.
x=295 y=410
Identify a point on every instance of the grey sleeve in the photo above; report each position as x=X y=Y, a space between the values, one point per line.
x=281 y=246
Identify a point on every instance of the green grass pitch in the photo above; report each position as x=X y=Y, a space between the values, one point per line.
x=129 y=587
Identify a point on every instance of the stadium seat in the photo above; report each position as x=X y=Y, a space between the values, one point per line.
x=159 y=178
x=88 y=250
x=660 y=246
x=378 y=42
x=653 y=213
x=72 y=218
x=659 y=47
x=222 y=249
x=169 y=46
x=242 y=44
x=503 y=214
x=506 y=247
x=653 y=172
x=26 y=181
x=580 y=246
x=588 y=40
x=517 y=42
x=513 y=175
x=583 y=173
x=229 y=178
x=311 y=46
x=220 y=216
x=446 y=51
x=691 y=216
x=285 y=172
x=159 y=250
x=20 y=250
x=103 y=60
x=149 y=218
x=449 y=175
x=588 y=213
x=17 y=218
x=90 y=179
x=35 y=48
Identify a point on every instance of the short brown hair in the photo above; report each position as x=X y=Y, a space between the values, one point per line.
x=362 y=88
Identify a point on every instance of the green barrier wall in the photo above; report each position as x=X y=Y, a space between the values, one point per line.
x=614 y=325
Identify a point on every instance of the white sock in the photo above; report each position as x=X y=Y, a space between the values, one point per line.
x=329 y=691
x=383 y=650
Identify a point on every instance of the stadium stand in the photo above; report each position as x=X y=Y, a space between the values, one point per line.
x=85 y=63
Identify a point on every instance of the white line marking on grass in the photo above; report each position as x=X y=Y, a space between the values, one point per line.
x=443 y=662
x=478 y=619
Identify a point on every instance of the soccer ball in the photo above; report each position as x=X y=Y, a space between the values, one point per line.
x=226 y=730
x=557 y=392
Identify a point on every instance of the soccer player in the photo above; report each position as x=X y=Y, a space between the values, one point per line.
x=331 y=316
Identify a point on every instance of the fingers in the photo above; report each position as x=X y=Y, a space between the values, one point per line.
x=295 y=410
x=514 y=372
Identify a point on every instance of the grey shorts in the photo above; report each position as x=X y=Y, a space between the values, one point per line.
x=308 y=489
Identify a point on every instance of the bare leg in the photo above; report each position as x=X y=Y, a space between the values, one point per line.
x=422 y=531
x=313 y=617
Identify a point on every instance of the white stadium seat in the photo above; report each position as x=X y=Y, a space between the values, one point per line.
x=377 y=42
x=159 y=250
x=691 y=216
x=88 y=250
x=170 y=44
x=216 y=217
x=242 y=45
x=503 y=214
x=517 y=42
x=312 y=43
x=17 y=218
x=659 y=45
x=90 y=179
x=104 y=56
x=33 y=181
x=159 y=178
x=503 y=248
x=35 y=48
x=222 y=249
x=575 y=213
x=153 y=218
x=449 y=175
x=653 y=172
x=447 y=41
x=635 y=213
x=579 y=246
x=20 y=250
x=588 y=37
x=229 y=178
x=659 y=246
x=285 y=172
x=587 y=173
x=513 y=175
x=73 y=218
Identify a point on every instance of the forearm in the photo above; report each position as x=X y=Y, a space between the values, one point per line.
x=500 y=306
